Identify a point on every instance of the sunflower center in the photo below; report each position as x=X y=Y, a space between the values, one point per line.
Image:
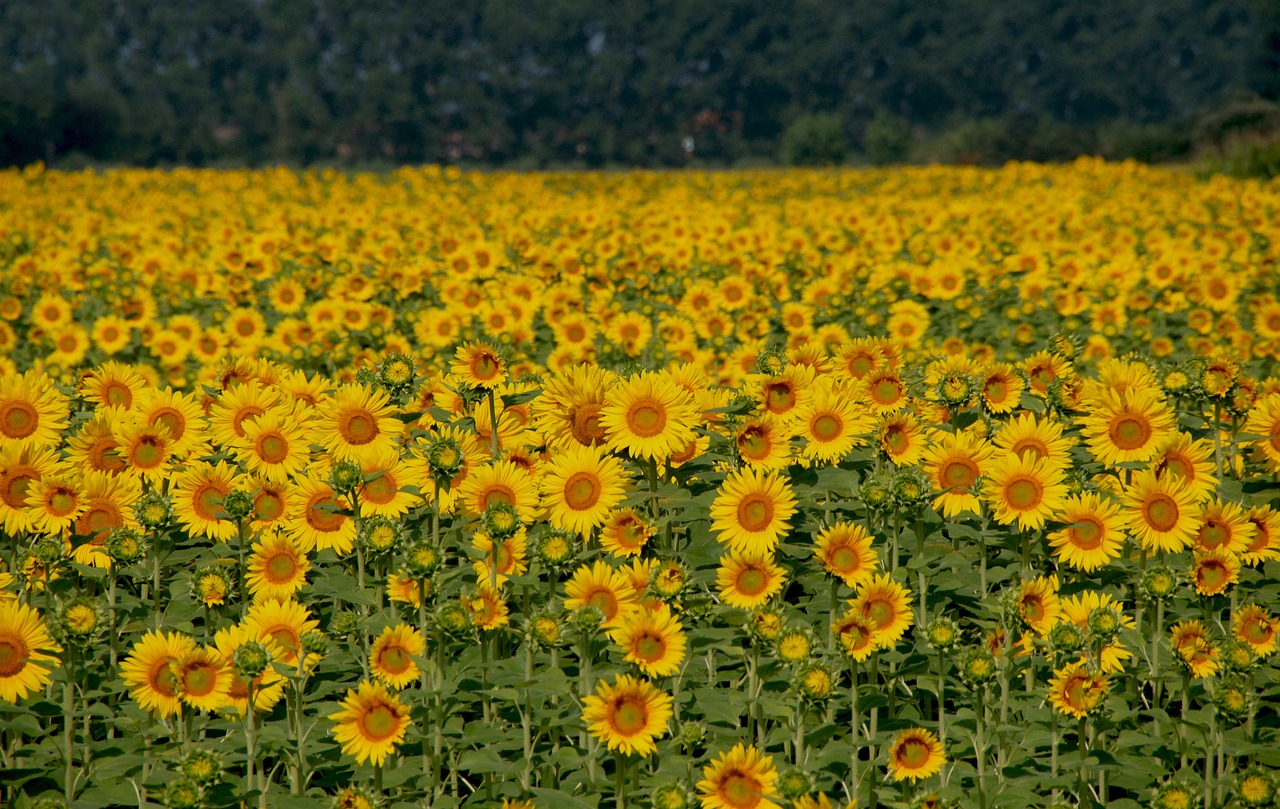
x=381 y=490
x=913 y=754
x=581 y=491
x=996 y=391
x=268 y=506
x=273 y=447
x=603 y=600
x=13 y=487
x=860 y=365
x=646 y=418
x=321 y=519
x=103 y=456
x=755 y=512
x=780 y=396
x=629 y=716
x=13 y=655
x=379 y=723
x=1130 y=432
x=754 y=444
x=826 y=427
x=1214 y=534
x=1161 y=512
x=649 y=647
x=752 y=581
x=1024 y=494
x=879 y=612
x=96 y=521
x=886 y=392
x=117 y=394
x=1032 y=609
x=584 y=424
x=171 y=420
x=394 y=660
x=359 y=427
x=896 y=440
x=958 y=473
x=281 y=568
x=1087 y=534
x=149 y=453
x=61 y=503
x=249 y=412
x=1212 y=574
x=740 y=791
x=208 y=501
x=163 y=679
x=199 y=680
x=1257 y=631
x=845 y=560
x=18 y=419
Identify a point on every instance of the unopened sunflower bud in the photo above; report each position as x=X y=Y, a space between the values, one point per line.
x=794 y=783
x=345 y=476
x=379 y=535
x=500 y=520
x=153 y=510
x=397 y=372
x=943 y=633
x=454 y=619
x=445 y=458
x=344 y=623
x=691 y=734
x=315 y=643
x=1159 y=583
x=588 y=619
x=251 y=659
x=238 y=504
x=201 y=767
x=125 y=546
x=671 y=796
x=422 y=560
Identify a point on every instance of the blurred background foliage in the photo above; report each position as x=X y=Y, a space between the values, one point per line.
x=573 y=83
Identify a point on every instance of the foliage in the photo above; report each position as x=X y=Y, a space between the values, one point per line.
x=814 y=140
x=887 y=139
x=925 y=486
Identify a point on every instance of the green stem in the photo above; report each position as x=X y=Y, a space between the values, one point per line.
x=493 y=424
x=620 y=782
x=980 y=744
x=526 y=717
x=1082 y=775
x=799 y=738
x=68 y=724
x=854 y=721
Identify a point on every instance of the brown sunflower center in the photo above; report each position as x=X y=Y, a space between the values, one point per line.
x=1161 y=512
x=394 y=660
x=1214 y=533
x=1131 y=431
x=913 y=754
x=268 y=506
x=958 y=473
x=358 y=427
x=207 y=500
x=320 y=518
x=1087 y=533
x=149 y=452
x=281 y=567
x=879 y=612
x=996 y=391
x=199 y=680
x=1212 y=575
x=18 y=419
x=61 y=502
x=117 y=394
x=1258 y=631
x=162 y=679
x=752 y=581
x=826 y=427
x=1024 y=494
x=845 y=560
x=381 y=490
x=582 y=491
x=247 y=412
x=646 y=418
x=273 y=447
x=13 y=655
x=379 y=723
x=649 y=646
x=603 y=600
x=584 y=424
x=629 y=716
x=780 y=397
x=14 y=486
x=755 y=512
x=740 y=791
x=886 y=392
x=860 y=365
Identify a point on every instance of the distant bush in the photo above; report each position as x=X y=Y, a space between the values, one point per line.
x=815 y=140
x=1147 y=143
x=1239 y=118
x=887 y=139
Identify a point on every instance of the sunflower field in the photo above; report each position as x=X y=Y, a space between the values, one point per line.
x=745 y=490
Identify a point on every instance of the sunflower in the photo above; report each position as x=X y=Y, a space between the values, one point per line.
x=604 y=588
x=784 y=395
x=177 y=413
x=19 y=469
x=739 y=779
x=625 y=532
x=54 y=503
x=1214 y=571
x=404 y=589
x=1024 y=490
x=1264 y=420
x=764 y=443
x=268 y=687
x=108 y=504
x=1000 y=388
x=886 y=607
x=113 y=384
x=202 y=678
x=111 y=333
x=197 y=499
x=581 y=486
x=371 y=723
x=1077 y=609
x=33 y=413
x=831 y=424
x=500 y=482
x=145 y=448
x=1075 y=690
x=284 y=623
x=627 y=715
x=1038 y=604
x=25 y=651
x=1042 y=439
x=568 y=410
x=1161 y=512
x=391 y=656
x=319 y=521
x=1126 y=427
x=356 y=421
x=277 y=568
x=648 y=416
x=845 y=551
x=93 y=446
x=751 y=511
x=512 y=557
x=955 y=464
x=148 y=671
x=235 y=405
x=1094 y=534
x=915 y=754
x=901 y=438
x=653 y=640
x=277 y=444
x=479 y=365
x=1224 y=525
x=274 y=502
x=884 y=390
x=488 y=608
x=1266 y=536
x=1194 y=647
x=1190 y=461
x=859 y=357
x=388 y=479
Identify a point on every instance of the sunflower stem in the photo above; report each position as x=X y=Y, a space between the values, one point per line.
x=1053 y=750
x=1217 y=438
x=493 y=424
x=68 y=724
x=250 y=747
x=922 y=583
x=799 y=740
x=831 y=624
x=1082 y=776
x=854 y=721
x=241 y=539
x=620 y=782
x=526 y=717
x=980 y=744
x=1182 y=717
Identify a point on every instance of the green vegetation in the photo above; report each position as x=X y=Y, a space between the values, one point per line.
x=664 y=83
